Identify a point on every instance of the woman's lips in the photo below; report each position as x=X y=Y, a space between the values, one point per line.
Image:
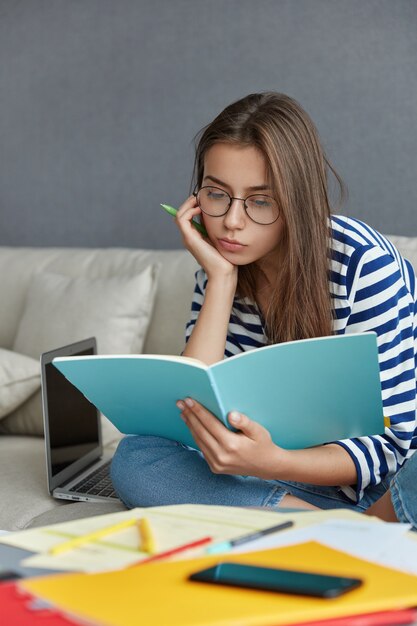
x=231 y=246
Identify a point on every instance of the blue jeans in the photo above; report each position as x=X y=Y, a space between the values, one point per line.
x=404 y=492
x=153 y=471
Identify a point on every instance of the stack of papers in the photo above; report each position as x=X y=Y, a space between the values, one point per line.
x=172 y=526
x=391 y=545
x=160 y=593
x=114 y=593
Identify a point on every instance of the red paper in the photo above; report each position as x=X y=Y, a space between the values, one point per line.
x=15 y=610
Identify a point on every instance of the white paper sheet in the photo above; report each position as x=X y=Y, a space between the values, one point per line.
x=386 y=544
x=172 y=526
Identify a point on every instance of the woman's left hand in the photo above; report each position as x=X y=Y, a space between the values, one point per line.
x=249 y=452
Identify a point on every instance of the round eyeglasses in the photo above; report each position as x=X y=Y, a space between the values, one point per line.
x=216 y=202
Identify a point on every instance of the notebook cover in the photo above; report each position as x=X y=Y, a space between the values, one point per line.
x=326 y=389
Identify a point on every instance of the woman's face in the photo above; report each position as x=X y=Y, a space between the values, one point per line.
x=240 y=171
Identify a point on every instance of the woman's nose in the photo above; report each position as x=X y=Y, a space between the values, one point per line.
x=235 y=216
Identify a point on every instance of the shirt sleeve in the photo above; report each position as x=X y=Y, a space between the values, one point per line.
x=382 y=298
x=244 y=330
x=197 y=301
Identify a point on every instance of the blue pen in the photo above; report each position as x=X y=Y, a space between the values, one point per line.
x=223 y=546
x=173 y=212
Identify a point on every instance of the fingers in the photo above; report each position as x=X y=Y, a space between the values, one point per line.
x=245 y=425
x=201 y=247
x=250 y=451
x=219 y=446
x=204 y=421
x=201 y=422
x=190 y=203
x=204 y=440
x=185 y=214
x=207 y=445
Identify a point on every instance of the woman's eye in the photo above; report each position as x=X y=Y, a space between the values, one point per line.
x=216 y=195
x=260 y=202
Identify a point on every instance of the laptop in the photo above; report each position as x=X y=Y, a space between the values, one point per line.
x=75 y=464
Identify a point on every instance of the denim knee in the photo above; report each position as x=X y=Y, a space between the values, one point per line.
x=152 y=471
x=118 y=469
x=127 y=471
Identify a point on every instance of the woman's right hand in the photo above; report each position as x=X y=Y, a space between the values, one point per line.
x=210 y=259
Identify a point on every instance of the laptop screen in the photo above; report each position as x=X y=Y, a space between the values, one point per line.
x=72 y=423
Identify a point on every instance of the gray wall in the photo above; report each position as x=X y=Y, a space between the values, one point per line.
x=100 y=100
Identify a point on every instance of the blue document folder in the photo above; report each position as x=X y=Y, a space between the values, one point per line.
x=305 y=392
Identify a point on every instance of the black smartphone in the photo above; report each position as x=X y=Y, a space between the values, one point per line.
x=282 y=580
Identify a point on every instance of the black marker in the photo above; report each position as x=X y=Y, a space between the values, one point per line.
x=232 y=543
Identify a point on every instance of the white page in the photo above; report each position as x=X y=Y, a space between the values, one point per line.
x=386 y=544
x=172 y=526
x=402 y=556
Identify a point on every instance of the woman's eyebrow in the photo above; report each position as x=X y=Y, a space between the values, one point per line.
x=220 y=182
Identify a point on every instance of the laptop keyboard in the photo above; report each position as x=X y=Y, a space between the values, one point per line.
x=97 y=483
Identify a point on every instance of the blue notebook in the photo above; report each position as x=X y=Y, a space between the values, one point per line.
x=305 y=392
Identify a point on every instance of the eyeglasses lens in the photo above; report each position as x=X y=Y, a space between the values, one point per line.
x=216 y=202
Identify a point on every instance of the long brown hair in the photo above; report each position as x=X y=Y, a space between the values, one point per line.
x=300 y=305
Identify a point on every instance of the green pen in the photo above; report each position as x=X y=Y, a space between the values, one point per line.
x=173 y=212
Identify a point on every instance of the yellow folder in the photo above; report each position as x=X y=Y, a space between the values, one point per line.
x=159 y=594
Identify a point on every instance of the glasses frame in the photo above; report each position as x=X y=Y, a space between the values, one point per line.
x=231 y=198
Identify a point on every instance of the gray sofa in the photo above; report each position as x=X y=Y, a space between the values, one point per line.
x=52 y=291
x=51 y=297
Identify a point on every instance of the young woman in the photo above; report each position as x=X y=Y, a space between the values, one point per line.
x=278 y=266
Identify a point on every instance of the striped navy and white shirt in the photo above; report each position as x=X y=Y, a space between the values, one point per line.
x=373 y=288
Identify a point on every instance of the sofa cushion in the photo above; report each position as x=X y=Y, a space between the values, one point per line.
x=60 y=310
x=19 y=379
x=23 y=487
x=26 y=419
x=172 y=303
